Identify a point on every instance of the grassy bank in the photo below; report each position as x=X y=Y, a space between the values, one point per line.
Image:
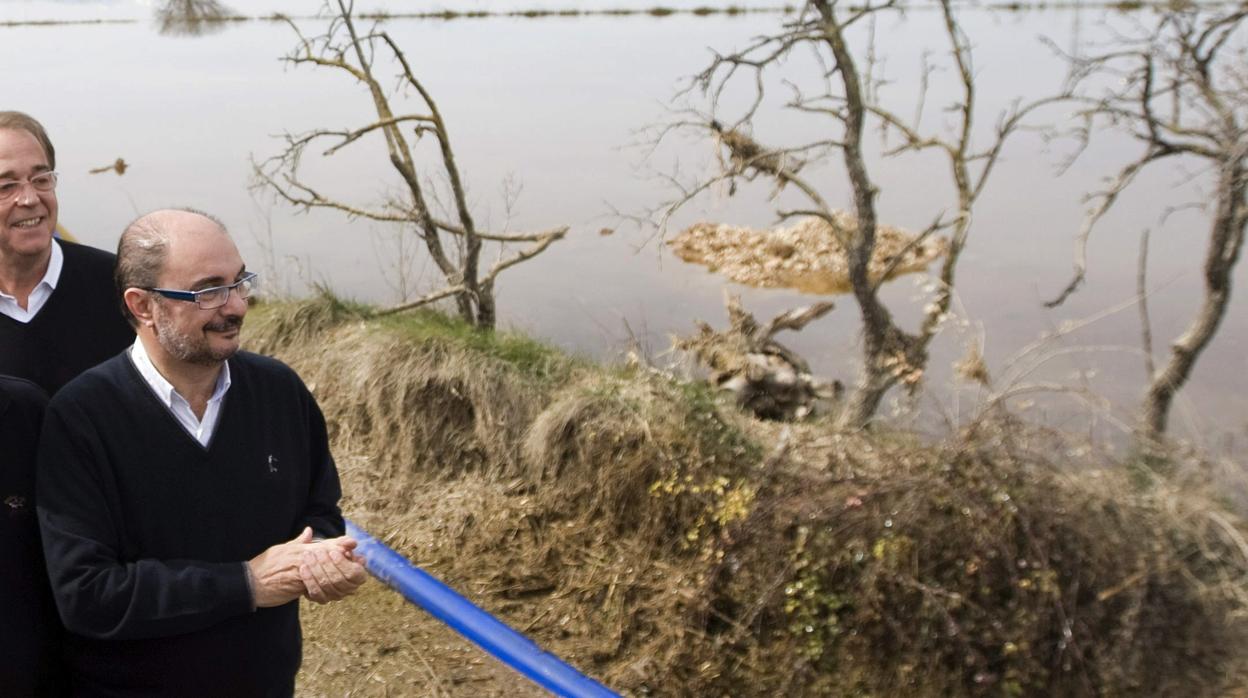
x=668 y=544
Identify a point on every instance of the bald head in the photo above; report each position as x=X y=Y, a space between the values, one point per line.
x=145 y=244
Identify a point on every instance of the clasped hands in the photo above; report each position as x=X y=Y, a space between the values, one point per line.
x=323 y=570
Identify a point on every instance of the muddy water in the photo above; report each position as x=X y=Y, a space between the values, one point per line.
x=552 y=106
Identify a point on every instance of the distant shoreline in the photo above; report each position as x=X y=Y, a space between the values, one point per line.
x=657 y=11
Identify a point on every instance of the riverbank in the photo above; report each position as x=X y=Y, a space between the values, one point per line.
x=668 y=544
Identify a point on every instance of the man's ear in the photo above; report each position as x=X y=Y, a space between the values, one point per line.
x=140 y=304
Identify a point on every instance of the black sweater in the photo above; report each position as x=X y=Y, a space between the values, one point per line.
x=145 y=530
x=80 y=325
x=29 y=628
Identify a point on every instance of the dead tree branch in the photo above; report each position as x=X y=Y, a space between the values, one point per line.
x=455 y=245
x=1180 y=88
x=847 y=100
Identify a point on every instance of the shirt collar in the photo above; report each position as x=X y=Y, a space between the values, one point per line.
x=162 y=387
x=51 y=276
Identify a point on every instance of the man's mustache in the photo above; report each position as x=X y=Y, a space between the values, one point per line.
x=232 y=322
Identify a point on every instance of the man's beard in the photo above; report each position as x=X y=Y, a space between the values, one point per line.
x=195 y=350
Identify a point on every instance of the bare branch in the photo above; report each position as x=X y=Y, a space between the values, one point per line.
x=349 y=137
x=449 y=232
x=936 y=225
x=1105 y=201
x=310 y=198
x=423 y=300
x=542 y=243
x=796 y=319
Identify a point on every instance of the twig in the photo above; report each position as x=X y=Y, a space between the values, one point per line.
x=423 y=300
x=1141 y=290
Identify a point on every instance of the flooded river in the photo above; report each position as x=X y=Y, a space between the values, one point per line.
x=554 y=108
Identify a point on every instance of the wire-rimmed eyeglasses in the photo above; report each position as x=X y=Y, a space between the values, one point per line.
x=10 y=188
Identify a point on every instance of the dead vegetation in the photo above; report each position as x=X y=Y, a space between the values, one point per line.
x=764 y=376
x=670 y=545
x=1177 y=85
x=734 y=100
x=441 y=218
x=808 y=256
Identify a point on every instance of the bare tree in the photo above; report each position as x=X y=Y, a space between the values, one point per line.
x=847 y=101
x=455 y=245
x=191 y=17
x=1180 y=89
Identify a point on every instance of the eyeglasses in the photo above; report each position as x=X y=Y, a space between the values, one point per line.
x=10 y=188
x=212 y=298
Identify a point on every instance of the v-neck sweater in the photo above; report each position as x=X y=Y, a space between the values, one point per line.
x=30 y=631
x=146 y=530
x=79 y=326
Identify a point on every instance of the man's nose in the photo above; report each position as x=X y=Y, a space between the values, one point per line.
x=235 y=303
x=27 y=195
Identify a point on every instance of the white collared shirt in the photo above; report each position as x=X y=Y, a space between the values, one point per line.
x=201 y=429
x=41 y=293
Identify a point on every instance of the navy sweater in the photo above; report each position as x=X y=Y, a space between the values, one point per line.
x=80 y=325
x=145 y=530
x=30 y=631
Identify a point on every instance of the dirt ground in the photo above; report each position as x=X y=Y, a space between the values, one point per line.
x=378 y=644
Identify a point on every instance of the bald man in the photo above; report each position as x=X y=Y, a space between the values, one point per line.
x=186 y=491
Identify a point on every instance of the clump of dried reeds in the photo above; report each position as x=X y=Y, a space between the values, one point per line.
x=433 y=406
x=978 y=568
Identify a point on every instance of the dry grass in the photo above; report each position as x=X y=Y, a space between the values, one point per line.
x=672 y=546
x=971 y=569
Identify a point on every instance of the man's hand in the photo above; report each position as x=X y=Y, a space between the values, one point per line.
x=329 y=570
x=275 y=572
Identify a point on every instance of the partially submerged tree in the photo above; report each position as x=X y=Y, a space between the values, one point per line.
x=191 y=17
x=455 y=245
x=1180 y=89
x=846 y=101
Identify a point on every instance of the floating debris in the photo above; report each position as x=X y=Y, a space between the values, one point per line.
x=119 y=166
x=972 y=367
x=766 y=377
x=807 y=256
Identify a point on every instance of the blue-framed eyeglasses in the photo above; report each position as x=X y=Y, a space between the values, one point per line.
x=212 y=298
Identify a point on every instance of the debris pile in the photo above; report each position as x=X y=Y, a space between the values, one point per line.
x=767 y=377
x=808 y=256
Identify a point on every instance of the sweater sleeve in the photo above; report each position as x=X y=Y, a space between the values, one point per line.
x=324 y=491
x=99 y=593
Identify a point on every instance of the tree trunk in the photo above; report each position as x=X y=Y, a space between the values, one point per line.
x=1225 y=240
x=878 y=331
x=486 y=316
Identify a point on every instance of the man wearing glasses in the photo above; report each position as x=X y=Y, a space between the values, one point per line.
x=58 y=316
x=181 y=485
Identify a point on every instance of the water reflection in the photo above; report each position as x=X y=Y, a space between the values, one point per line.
x=550 y=103
x=191 y=17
